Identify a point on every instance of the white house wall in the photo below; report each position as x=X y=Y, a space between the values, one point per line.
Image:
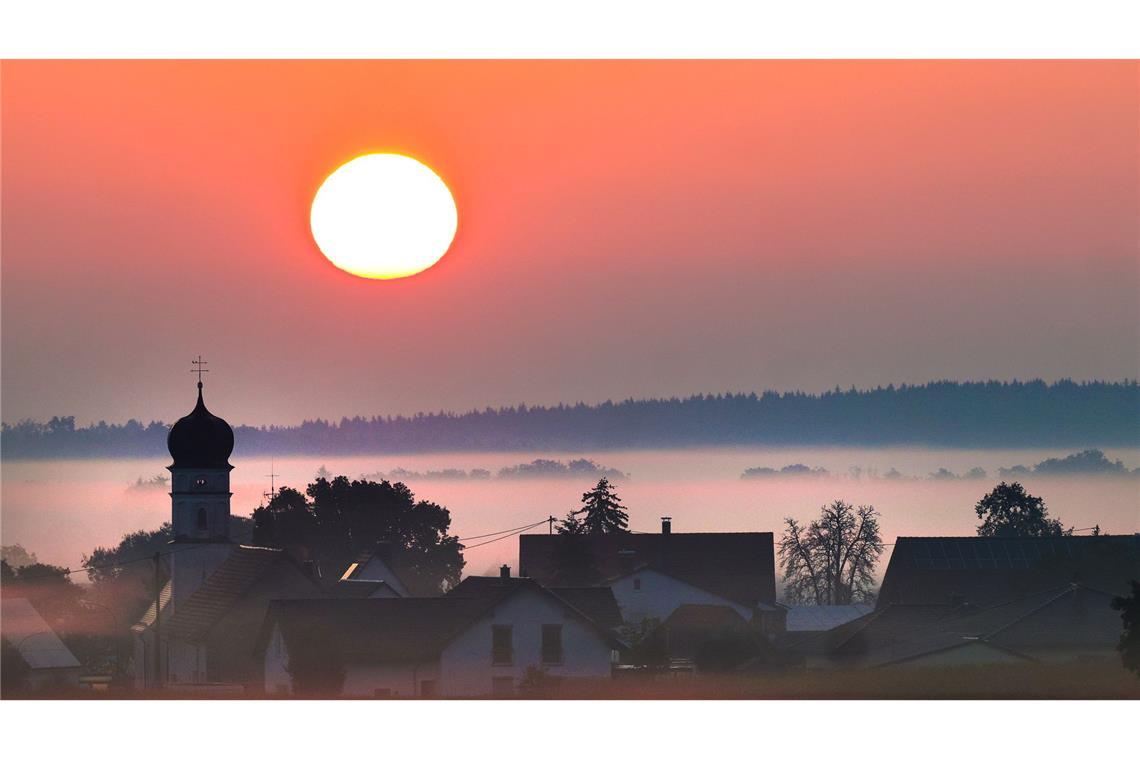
x=465 y=665
x=660 y=595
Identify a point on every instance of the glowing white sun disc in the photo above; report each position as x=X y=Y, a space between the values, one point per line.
x=383 y=216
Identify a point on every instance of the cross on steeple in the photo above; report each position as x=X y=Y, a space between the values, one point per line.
x=199 y=368
x=272 y=480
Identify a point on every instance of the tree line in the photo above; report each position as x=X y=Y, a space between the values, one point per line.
x=974 y=414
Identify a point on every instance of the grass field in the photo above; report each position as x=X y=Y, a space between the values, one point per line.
x=1030 y=681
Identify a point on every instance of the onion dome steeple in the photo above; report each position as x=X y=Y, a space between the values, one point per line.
x=200 y=439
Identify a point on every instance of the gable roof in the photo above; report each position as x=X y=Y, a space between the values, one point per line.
x=983 y=571
x=358 y=567
x=409 y=629
x=193 y=617
x=27 y=631
x=1071 y=615
x=594 y=602
x=739 y=567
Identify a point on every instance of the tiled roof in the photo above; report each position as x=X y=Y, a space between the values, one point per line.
x=982 y=571
x=1068 y=616
x=410 y=629
x=193 y=617
x=739 y=567
x=147 y=620
x=594 y=602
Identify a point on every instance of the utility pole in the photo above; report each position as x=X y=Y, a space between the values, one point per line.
x=550 y=523
x=157 y=616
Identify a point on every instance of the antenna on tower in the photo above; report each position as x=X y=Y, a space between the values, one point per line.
x=200 y=368
x=272 y=480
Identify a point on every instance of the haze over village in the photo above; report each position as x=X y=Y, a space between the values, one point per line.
x=606 y=379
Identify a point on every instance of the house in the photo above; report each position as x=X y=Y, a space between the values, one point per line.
x=373 y=567
x=479 y=640
x=51 y=665
x=652 y=574
x=595 y=602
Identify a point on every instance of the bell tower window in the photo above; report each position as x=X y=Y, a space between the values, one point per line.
x=202 y=520
x=199 y=482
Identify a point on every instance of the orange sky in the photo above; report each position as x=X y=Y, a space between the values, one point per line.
x=625 y=229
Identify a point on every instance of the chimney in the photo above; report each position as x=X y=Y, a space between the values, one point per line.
x=666 y=525
x=505 y=571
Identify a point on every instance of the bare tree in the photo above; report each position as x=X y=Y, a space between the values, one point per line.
x=831 y=560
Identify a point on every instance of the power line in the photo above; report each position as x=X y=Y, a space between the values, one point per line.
x=498 y=532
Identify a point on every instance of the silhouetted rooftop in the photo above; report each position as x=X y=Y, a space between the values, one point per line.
x=982 y=571
x=739 y=567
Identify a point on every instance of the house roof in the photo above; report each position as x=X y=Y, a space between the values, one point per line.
x=33 y=638
x=194 y=616
x=410 y=629
x=739 y=567
x=353 y=588
x=823 y=617
x=983 y=571
x=595 y=602
x=1071 y=615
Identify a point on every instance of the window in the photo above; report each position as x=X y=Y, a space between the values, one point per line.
x=502 y=646
x=551 y=645
x=637 y=584
x=427 y=688
x=202 y=521
x=502 y=686
x=200 y=482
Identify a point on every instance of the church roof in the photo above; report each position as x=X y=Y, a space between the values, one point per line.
x=200 y=439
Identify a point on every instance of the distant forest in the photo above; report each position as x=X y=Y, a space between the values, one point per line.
x=976 y=414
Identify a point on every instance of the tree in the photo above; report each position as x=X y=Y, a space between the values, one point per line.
x=603 y=510
x=832 y=560
x=1129 y=645
x=17 y=556
x=1009 y=511
x=571 y=525
x=335 y=520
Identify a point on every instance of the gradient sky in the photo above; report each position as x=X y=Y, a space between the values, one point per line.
x=625 y=229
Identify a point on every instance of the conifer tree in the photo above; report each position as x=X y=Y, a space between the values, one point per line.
x=603 y=510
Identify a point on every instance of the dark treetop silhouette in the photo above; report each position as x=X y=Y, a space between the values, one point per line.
x=941 y=413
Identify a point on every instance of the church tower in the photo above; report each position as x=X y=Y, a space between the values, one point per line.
x=200 y=445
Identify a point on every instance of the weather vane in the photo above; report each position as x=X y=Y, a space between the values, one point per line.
x=200 y=367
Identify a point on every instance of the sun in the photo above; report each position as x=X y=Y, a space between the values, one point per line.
x=383 y=216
